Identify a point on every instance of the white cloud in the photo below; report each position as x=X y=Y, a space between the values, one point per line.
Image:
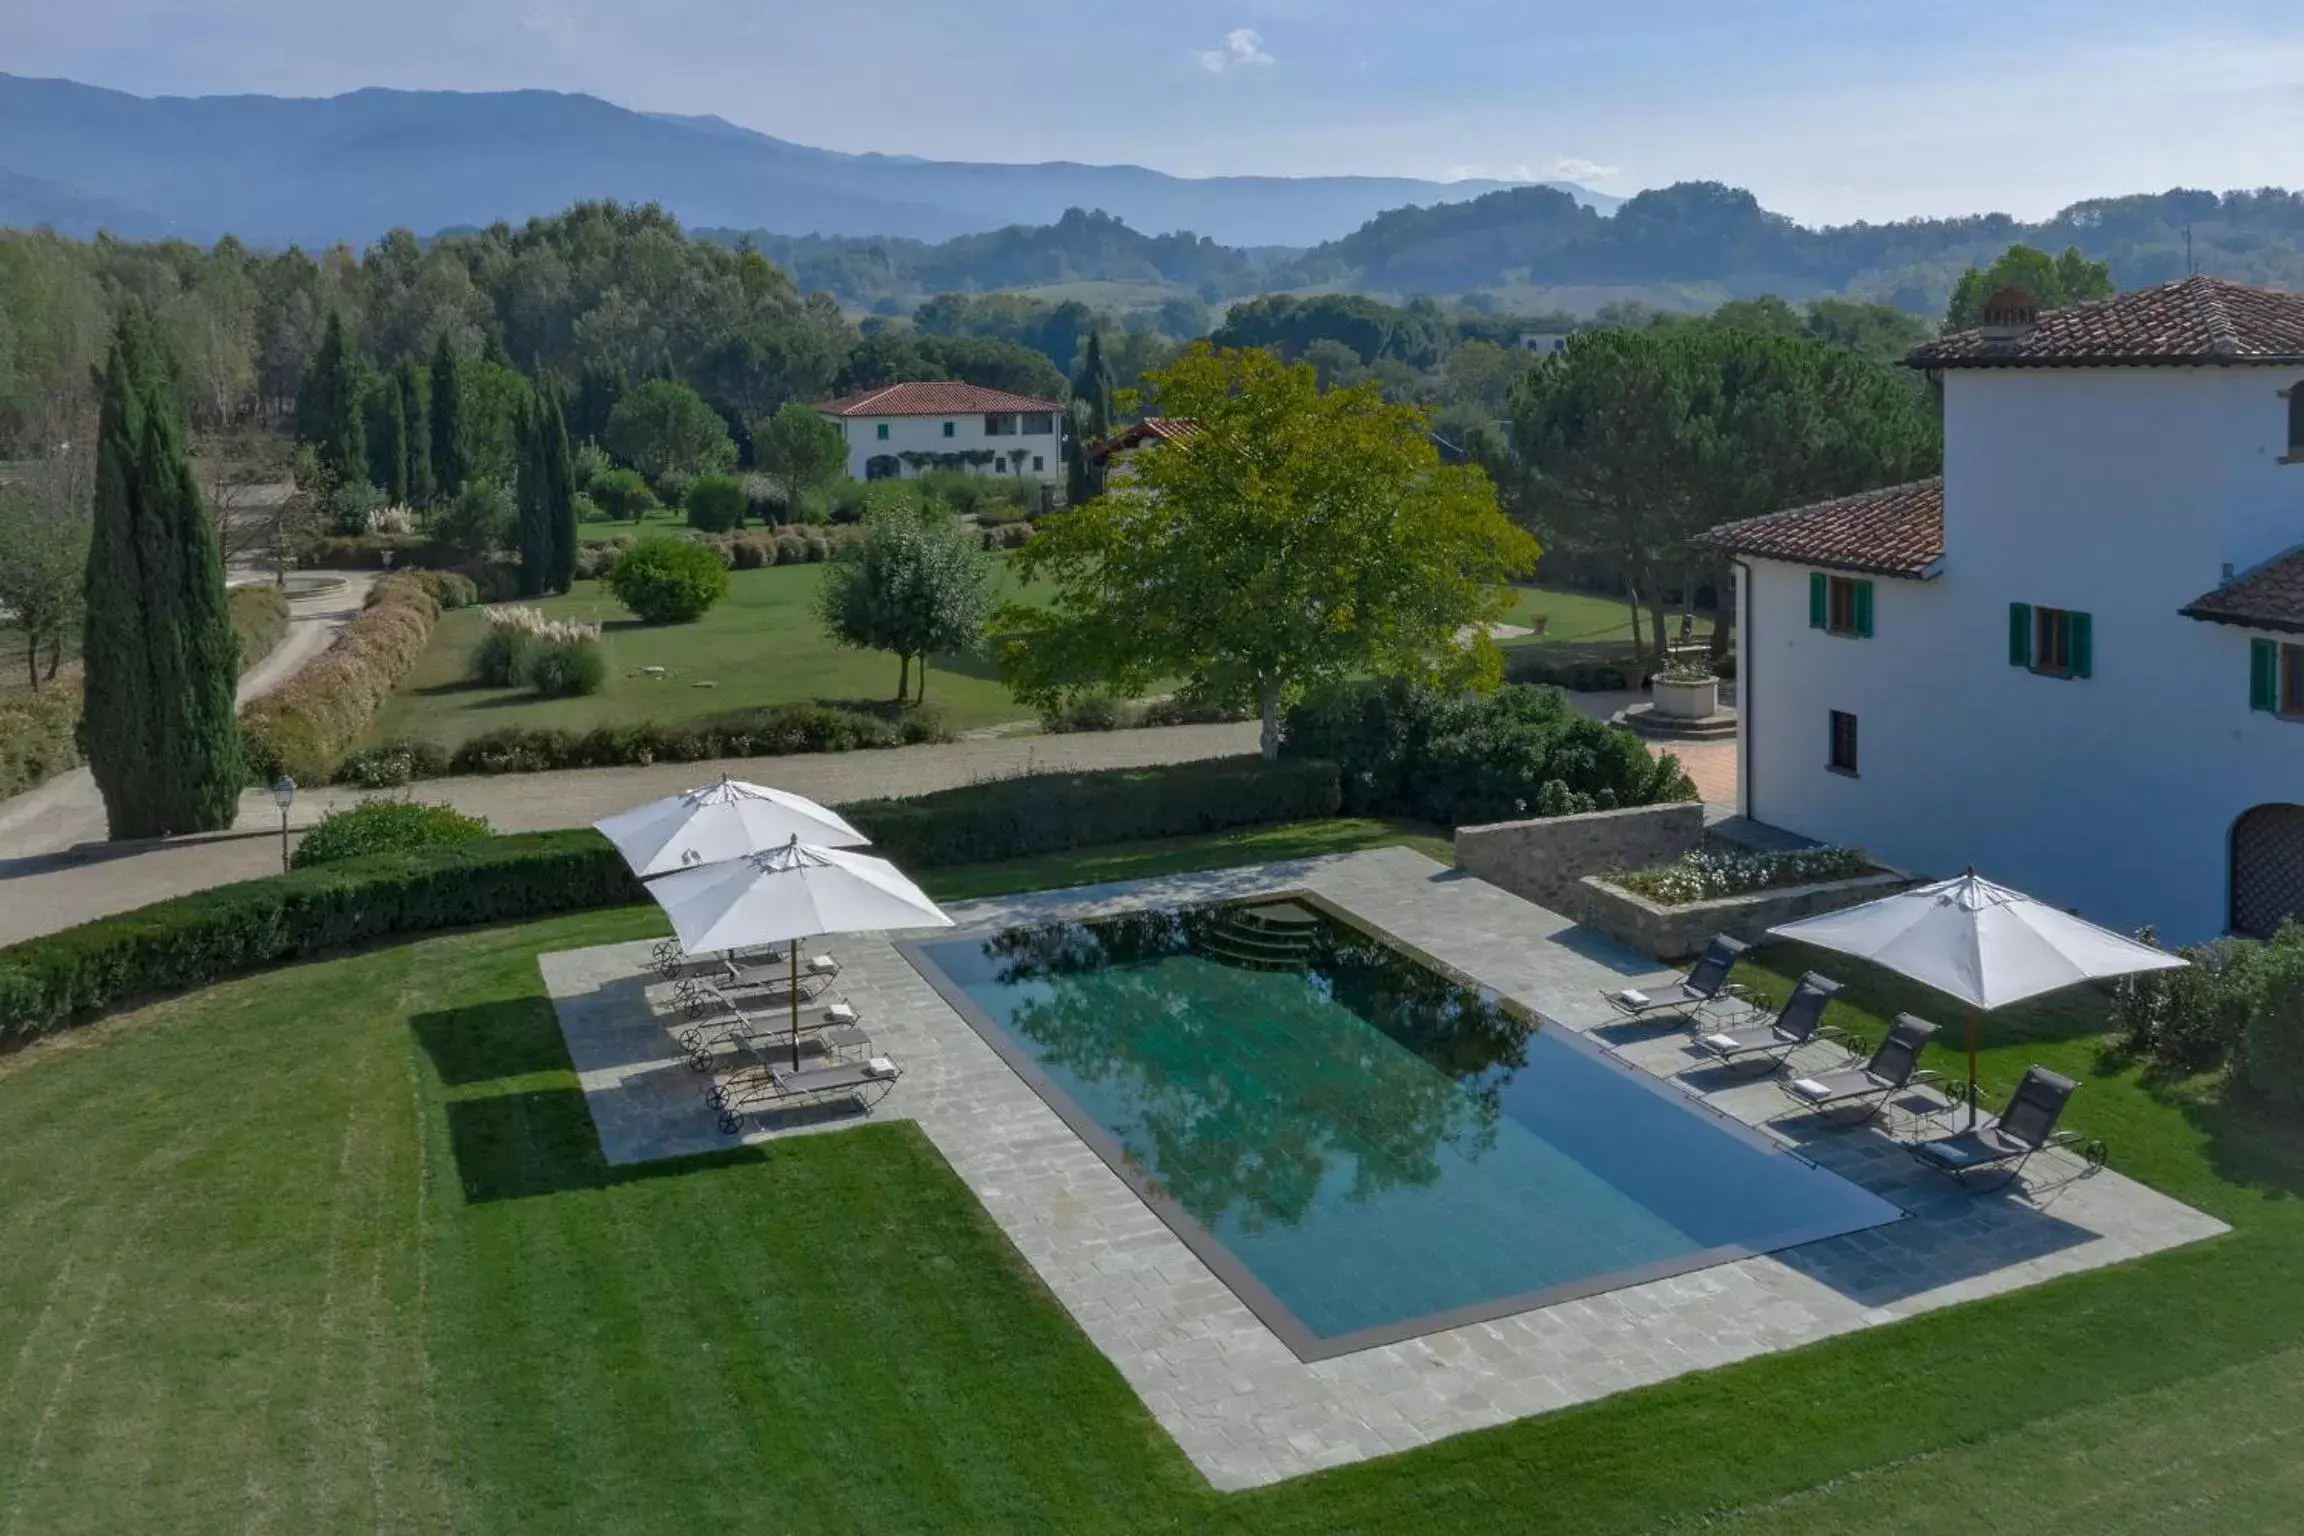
x=1573 y=168
x=1566 y=167
x=1243 y=46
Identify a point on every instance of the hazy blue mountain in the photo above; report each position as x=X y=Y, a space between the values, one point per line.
x=273 y=170
x=27 y=202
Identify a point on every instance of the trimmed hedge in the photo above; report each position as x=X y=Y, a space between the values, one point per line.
x=304 y=727
x=259 y=620
x=190 y=941
x=384 y=826
x=1049 y=812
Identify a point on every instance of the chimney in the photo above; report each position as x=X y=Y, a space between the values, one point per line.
x=2010 y=315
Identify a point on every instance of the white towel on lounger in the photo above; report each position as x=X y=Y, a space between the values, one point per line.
x=880 y=1066
x=1632 y=997
x=840 y=1013
x=1809 y=1088
x=1721 y=1042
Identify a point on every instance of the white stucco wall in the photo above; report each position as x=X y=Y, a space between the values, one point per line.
x=2122 y=493
x=925 y=434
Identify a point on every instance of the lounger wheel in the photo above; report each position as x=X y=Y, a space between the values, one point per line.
x=728 y=1123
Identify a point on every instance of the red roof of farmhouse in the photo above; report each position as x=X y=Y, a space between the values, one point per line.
x=2269 y=597
x=1152 y=429
x=925 y=397
x=2195 y=321
x=1898 y=531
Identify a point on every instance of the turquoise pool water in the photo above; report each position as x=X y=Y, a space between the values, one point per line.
x=1363 y=1148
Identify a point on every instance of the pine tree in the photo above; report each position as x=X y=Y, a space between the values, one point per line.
x=531 y=494
x=328 y=404
x=416 y=425
x=560 y=498
x=161 y=658
x=447 y=423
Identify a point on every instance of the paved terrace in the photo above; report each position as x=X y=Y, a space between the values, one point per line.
x=1239 y=1402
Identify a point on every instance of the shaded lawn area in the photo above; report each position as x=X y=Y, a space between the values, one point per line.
x=760 y=645
x=1582 y=618
x=333 y=1248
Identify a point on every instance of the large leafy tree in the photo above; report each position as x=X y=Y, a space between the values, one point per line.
x=2054 y=282
x=1300 y=537
x=157 y=643
x=918 y=584
x=663 y=427
x=798 y=449
x=43 y=555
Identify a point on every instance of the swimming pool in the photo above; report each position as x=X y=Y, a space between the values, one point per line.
x=1364 y=1147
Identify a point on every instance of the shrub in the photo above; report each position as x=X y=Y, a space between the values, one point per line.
x=2272 y=1040
x=389 y=520
x=304 y=727
x=259 y=620
x=751 y=551
x=479 y=522
x=587 y=510
x=566 y=669
x=770 y=732
x=384 y=826
x=450 y=589
x=523 y=649
x=715 y=503
x=1538 y=666
x=393 y=764
x=623 y=494
x=1708 y=876
x=764 y=503
x=1006 y=536
x=1455 y=760
x=594 y=559
x=668 y=581
x=367 y=551
x=493 y=581
x=2184 y=1020
x=672 y=487
x=585 y=467
x=48 y=982
x=1088 y=712
x=38 y=736
x=1046 y=812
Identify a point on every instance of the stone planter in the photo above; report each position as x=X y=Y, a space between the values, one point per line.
x=1675 y=933
x=1687 y=701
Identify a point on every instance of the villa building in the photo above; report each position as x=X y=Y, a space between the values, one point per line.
x=2076 y=660
x=907 y=429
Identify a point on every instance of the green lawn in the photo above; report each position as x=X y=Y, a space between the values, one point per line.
x=761 y=644
x=332 y=1248
x=661 y=520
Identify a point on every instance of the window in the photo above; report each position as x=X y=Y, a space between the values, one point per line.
x=951 y=429
x=1039 y=423
x=1840 y=605
x=2052 y=642
x=881 y=432
x=2295 y=399
x=2276 y=678
x=1039 y=464
x=1843 y=749
x=998 y=424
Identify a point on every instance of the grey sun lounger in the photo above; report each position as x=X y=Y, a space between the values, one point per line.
x=867 y=1082
x=1801 y=1021
x=1868 y=1085
x=761 y=983
x=1705 y=986
x=2006 y=1142
x=832 y=1031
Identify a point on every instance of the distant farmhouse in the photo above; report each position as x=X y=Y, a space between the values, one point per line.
x=903 y=429
x=2075 y=661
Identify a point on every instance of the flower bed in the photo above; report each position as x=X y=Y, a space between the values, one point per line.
x=1710 y=876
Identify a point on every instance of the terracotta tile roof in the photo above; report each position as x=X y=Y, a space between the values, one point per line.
x=931 y=398
x=1152 y=429
x=2269 y=597
x=1898 y=531
x=2193 y=320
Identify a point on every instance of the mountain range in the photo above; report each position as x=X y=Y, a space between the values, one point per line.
x=313 y=171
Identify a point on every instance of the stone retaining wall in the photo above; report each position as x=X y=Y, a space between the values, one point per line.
x=1675 y=933
x=1546 y=859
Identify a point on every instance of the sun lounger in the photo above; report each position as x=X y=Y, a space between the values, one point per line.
x=762 y=984
x=834 y=1031
x=867 y=1082
x=1772 y=1043
x=1705 y=987
x=2005 y=1143
x=1868 y=1085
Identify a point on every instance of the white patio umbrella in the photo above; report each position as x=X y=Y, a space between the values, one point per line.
x=721 y=821
x=1979 y=942
x=787 y=894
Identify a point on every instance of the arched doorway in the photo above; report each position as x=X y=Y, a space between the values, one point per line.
x=2267 y=869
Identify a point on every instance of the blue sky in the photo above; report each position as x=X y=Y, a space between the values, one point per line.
x=1828 y=109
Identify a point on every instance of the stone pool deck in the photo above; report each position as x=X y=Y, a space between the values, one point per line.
x=1237 y=1400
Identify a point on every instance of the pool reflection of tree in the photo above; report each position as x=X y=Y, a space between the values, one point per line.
x=1209 y=1121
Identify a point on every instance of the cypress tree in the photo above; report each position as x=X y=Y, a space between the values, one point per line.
x=162 y=661
x=387 y=442
x=447 y=424
x=416 y=425
x=560 y=499
x=531 y=493
x=328 y=404
x=1094 y=388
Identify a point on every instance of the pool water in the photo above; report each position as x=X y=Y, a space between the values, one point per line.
x=1364 y=1148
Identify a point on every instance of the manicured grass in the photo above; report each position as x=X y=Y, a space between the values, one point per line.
x=1581 y=618
x=661 y=520
x=332 y=1248
x=760 y=645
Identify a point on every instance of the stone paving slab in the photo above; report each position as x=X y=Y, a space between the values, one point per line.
x=1242 y=1406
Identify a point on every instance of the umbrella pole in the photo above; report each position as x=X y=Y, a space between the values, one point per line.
x=795 y=994
x=1975 y=1028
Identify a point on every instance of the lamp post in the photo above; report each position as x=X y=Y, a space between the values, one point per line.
x=283 y=796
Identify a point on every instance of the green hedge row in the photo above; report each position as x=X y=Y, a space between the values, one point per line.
x=49 y=982
x=1050 y=812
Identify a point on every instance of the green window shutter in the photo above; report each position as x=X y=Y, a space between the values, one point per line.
x=1864 y=609
x=1817 y=599
x=2083 y=646
x=2264 y=676
x=2019 y=634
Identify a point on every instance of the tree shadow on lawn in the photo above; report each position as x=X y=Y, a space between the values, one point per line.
x=512 y=1037
x=2251 y=1143
x=514 y=1146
